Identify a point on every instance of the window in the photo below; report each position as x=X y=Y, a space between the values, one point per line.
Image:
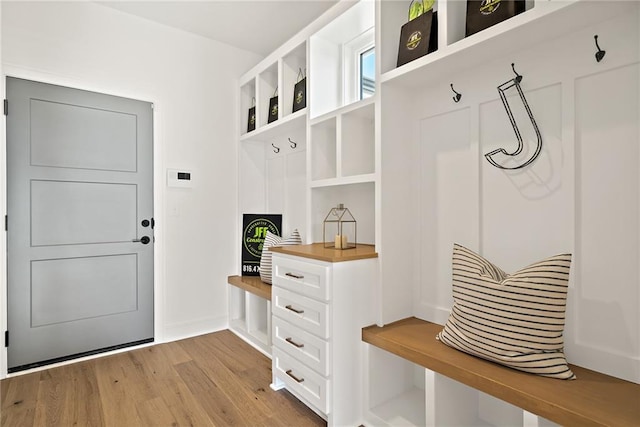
x=359 y=65
x=367 y=73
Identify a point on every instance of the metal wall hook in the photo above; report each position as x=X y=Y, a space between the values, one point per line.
x=600 y=53
x=518 y=77
x=292 y=143
x=275 y=149
x=458 y=96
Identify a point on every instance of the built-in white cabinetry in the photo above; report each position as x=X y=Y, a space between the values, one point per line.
x=275 y=78
x=301 y=168
x=409 y=163
x=250 y=311
x=343 y=167
x=272 y=176
x=344 y=146
x=433 y=147
x=322 y=298
x=403 y=393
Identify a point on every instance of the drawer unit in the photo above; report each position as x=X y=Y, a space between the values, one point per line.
x=318 y=311
x=304 y=278
x=301 y=380
x=307 y=348
x=310 y=315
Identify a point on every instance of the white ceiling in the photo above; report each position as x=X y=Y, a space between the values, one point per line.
x=258 y=26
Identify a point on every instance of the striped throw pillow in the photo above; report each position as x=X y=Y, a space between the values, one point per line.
x=516 y=319
x=274 y=240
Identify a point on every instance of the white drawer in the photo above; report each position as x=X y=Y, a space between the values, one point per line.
x=305 y=278
x=303 y=346
x=308 y=314
x=302 y=380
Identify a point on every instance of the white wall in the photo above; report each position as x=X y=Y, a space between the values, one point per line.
x=192 y=82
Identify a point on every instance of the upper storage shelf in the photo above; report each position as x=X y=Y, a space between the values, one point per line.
x=543 y=20
x=277 y=74
x=275 y=79
x=343 y=145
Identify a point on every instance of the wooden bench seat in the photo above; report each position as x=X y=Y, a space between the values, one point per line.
x=251 y=284
x=594 y=399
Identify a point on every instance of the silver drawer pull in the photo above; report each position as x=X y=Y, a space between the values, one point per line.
x=295 y=276
x=298 y=380
x=292 y=342
x=288 y=307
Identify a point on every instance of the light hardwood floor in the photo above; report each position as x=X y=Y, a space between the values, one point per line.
x=211 y=380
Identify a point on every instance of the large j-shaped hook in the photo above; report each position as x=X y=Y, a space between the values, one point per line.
x=501 y=89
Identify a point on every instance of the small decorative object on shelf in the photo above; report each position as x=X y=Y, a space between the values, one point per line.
x=300 y=92
x=482 y=14
x=339 y=229
x=251 y=122
x=273 y=107
x=419 y=36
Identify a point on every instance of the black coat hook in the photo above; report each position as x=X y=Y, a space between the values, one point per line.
x=518 y=77
x=275 y=149
x=292 y=143
x=458 y=96
x=600 y=53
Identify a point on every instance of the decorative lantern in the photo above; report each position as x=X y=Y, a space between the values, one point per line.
x=339 y=229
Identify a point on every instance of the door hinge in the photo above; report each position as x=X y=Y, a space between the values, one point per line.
x=6 y=338
x=6 y=223
x=6 y=107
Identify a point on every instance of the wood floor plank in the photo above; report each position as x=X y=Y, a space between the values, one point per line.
x=159 y=362
x=117 y=390
x=184 y=408
x=213 y=400
x=211 y=380
x=70 y=395
x=19 y=399
x=291 y=412
x=155 y=412
x=87 y=402
x=235 y=354
x=247 y=400
x=56 y=391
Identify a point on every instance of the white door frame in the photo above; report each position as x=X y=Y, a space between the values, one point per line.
x=159 y=201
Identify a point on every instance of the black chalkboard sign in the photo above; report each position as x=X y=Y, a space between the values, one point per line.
x=254 y=230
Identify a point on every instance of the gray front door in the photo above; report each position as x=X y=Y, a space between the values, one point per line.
x=80 y=208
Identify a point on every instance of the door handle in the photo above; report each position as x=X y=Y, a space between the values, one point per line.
x=144 y=240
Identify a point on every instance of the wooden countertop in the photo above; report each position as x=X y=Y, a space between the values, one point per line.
x=593 y=399
x=319 y=252
x=251 y=284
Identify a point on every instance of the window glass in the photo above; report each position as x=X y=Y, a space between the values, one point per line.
x=367 y=73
